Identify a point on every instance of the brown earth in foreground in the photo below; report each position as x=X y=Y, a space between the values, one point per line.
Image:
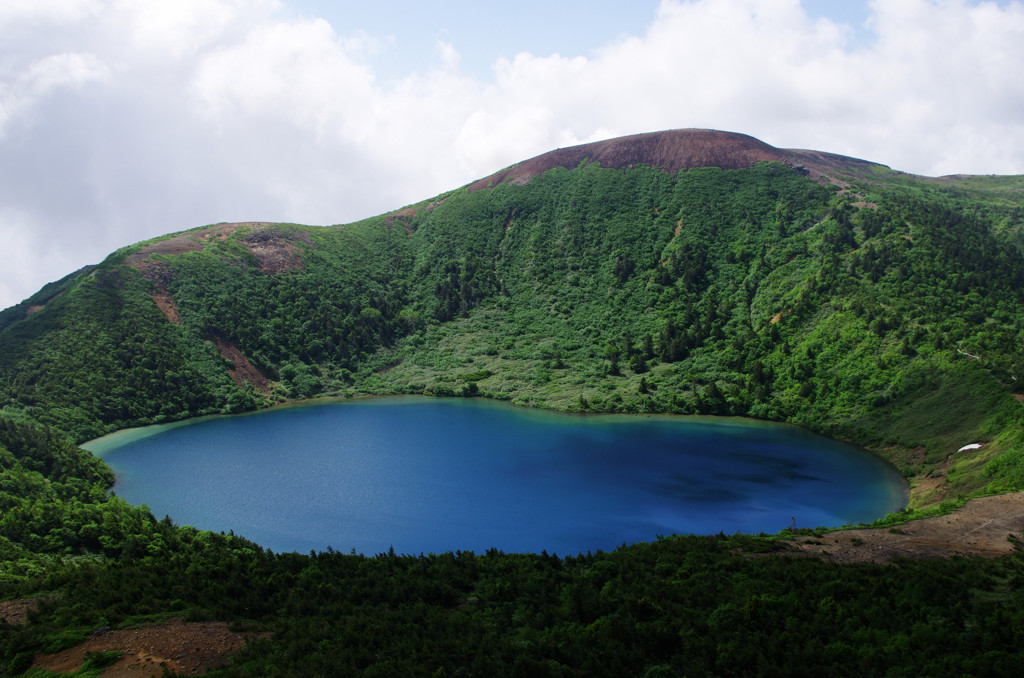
x=147 y=650
x=983 y=527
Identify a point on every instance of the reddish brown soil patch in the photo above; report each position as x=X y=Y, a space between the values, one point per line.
x=159 y=274
x=679 y=226
x=243 y=370
x=933 y=488
x=437 y=203
x=980 y=528
x=681 y=149
x=277 y=257
x=190 y=241
x=15 y=612
x=36 y=308
x=148 y=650
x=778 y=316
x=276 y=250
x=1019 y=397
x=165 y=302
x=401 y=216
x=405 y=212
x=179 y=244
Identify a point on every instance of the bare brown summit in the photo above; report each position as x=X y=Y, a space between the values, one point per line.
x=677 y=150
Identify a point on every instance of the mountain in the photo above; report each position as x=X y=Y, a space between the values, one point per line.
x=687 y=271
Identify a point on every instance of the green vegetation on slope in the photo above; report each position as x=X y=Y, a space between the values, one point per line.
x=888 y=313
x=54 y=507
x=894 y=323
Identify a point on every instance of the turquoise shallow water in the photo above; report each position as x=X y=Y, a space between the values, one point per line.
x=429 y=475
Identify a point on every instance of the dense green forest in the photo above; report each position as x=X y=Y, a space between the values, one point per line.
x=883 y=309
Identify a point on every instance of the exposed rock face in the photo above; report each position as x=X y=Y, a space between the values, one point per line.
x=681 y=149
x=275 y=249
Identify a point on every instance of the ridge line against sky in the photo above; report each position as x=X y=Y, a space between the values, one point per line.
x=121 y=120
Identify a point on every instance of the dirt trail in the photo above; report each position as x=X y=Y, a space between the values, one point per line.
x=981 y=528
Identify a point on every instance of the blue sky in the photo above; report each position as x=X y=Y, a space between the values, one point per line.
x=121 y=120
x=484 y=33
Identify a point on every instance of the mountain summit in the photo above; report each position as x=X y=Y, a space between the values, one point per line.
x=680 y=149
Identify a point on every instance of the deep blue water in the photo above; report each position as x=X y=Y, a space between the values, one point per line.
x=429 y=475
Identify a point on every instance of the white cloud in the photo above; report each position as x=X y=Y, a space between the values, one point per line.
x=181 y=27
x=122 y=119
x=765 y=68
x=483 y=138
x=21 y=92
x=63 y=69
x=40 y=255
x=45 y=11
x=449 y=56
x=296 y=72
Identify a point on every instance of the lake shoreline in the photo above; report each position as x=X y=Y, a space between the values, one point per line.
x=608 y=436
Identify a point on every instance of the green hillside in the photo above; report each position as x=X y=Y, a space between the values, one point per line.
x=886 y=313
x=859 y=302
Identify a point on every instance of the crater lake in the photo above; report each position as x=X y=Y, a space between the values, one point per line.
x=427 y=475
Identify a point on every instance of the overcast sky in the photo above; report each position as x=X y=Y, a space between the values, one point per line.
x=121 y=120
